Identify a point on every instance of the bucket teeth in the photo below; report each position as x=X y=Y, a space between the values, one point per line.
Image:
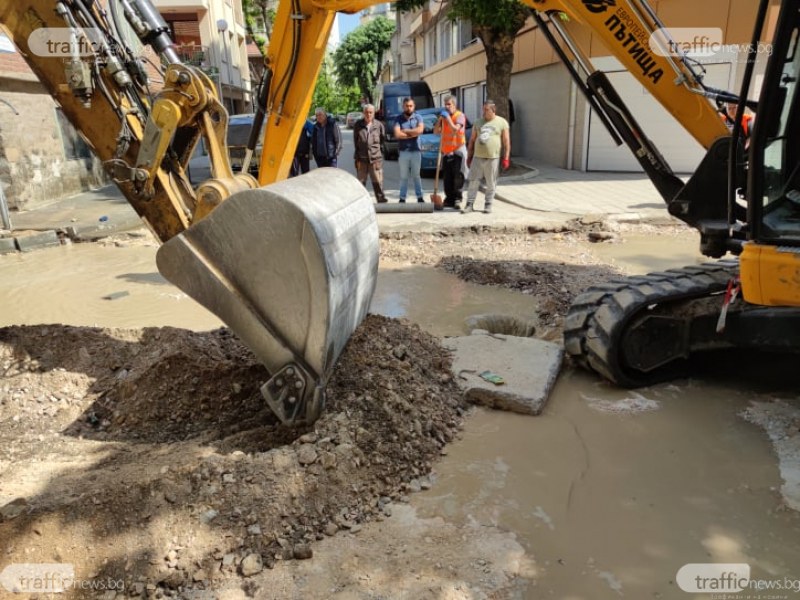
x=286 y=394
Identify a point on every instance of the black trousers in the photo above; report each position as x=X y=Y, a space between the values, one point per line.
x=453 y=179
x=300 y=165
x=325 y=162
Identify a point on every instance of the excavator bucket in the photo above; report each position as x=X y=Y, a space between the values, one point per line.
x=291 y=268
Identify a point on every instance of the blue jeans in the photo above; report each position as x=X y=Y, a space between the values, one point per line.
x=410 y=162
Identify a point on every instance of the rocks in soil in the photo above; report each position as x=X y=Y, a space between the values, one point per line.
x=196 y=474
x=251 y=565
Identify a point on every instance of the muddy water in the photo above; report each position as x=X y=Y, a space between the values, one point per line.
x=440 y=303
x=68 y=284
x=612 y=504
x=609 y=491
x=640 y=254
x=612 y=491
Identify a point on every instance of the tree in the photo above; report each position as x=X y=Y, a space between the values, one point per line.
x=496 y=23
x=259 y=15
x=359 y=58
x=332 y=96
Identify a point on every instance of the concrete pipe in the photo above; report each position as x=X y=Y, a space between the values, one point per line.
x=405 y=207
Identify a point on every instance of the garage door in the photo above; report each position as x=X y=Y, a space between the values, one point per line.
x=679 y=148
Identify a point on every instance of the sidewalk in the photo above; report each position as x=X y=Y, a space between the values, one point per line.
x=546 y=197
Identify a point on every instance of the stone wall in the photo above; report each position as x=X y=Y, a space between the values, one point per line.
x=41 y=159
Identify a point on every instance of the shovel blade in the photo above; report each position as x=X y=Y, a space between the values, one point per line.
x=291 y=269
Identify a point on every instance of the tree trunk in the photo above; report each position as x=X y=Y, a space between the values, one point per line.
x=499 y=48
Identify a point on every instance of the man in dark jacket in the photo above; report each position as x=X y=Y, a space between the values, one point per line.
x=326 y=141
x=300 y=164
x=368 y=136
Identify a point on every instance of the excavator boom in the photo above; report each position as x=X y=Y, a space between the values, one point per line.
x=290 y=267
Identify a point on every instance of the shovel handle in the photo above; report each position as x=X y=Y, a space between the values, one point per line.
x=438 y=166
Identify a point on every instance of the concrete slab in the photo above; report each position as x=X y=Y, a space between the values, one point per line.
x=7 y=245
x=35 y=241
x=528 y=366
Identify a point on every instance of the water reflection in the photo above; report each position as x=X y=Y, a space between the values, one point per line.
x=440 y=302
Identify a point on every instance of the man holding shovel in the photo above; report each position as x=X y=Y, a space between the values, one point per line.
x=452 y=125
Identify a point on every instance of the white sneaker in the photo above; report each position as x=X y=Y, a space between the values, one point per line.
x=467 y=209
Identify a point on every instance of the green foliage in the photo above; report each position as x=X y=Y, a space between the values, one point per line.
x=359 y=57
x=501 y=16
x=261 y=42
x=332 y=96
x=259 y=16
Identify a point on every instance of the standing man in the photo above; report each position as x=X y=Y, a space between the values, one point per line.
x=452 y=125
x=489 y=141
x=301 y=163
x=728 y=114
x=326 y=141
x=368 y=137
x=408 y=126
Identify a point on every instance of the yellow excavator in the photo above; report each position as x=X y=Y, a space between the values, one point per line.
x=640 y=330
x=290 y=265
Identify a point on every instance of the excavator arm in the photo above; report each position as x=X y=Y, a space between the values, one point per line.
x=633 y=33
x=291 y=267
x=641 y=330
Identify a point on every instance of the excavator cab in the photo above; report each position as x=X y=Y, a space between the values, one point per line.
x=770 y=262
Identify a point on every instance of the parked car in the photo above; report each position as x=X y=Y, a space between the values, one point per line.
x=239 y=127
x=429 y=141
x=352 y=117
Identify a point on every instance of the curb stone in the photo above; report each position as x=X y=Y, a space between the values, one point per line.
x=43 y=239
x=8 y=245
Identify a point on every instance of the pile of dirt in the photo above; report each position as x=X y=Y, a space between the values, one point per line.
x=150 y=458
x=555 y=284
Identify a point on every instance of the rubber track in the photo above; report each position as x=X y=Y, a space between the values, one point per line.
x=597 y=319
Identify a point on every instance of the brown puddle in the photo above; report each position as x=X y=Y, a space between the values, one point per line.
x=614 y=503
x=67 y=285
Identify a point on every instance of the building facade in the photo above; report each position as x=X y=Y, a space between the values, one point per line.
x=553 y=122
x=210 y=34
x=42 y=158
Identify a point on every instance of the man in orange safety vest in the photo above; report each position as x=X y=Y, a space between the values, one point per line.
x=728 y=114
x=452 y=126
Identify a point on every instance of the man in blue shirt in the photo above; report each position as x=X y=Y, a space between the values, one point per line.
x=408 y=126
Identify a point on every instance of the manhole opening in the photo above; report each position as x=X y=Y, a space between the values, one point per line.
x=504 y=324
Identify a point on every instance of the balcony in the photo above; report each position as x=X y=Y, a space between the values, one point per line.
x=194 y=55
